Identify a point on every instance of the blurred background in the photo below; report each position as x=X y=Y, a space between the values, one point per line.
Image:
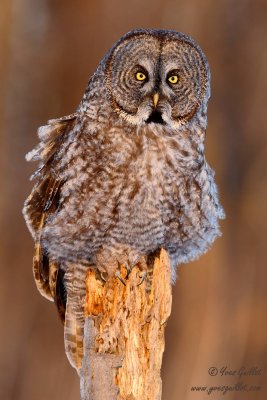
x=49 y=49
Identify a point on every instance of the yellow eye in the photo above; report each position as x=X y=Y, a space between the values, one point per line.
x=140 y=76
x=173 y=79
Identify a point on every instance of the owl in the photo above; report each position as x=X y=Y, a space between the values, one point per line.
x=126 y=174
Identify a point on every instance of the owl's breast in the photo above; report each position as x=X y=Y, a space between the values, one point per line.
x=135 y=193
x=147 y=193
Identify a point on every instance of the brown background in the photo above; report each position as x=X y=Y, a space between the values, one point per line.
x=49 y=48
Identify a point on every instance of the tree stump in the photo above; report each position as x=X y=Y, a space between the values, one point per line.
x=124 y=334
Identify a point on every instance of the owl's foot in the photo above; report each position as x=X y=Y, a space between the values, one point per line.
x=120 y=265
x=142 y=276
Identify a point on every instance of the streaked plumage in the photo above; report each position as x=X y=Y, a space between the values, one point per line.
x=126 y=174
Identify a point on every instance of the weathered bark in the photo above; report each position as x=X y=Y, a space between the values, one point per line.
x=124 y=334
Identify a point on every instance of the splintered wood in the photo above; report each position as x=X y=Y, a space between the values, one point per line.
x=124 y=334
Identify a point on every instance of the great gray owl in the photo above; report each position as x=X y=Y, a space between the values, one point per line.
x=125 y=174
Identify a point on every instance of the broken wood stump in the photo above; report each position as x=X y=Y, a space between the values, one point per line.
x=124 y=334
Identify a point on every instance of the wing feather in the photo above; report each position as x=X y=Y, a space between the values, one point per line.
x=44 y=201
x=66 y=289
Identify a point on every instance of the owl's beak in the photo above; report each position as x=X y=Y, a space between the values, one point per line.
x=155 y=99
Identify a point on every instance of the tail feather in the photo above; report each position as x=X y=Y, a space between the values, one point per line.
x=74 y=317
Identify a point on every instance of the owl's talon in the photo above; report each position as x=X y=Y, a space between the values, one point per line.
x=143 y=277
x=102 y=277
x=118 y=275
x=128 y=268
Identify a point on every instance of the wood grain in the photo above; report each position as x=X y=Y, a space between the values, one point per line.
x=124 y=334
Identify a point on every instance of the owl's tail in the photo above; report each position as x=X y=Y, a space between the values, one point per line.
x=74 y=281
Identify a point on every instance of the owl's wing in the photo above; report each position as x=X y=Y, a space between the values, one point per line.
x=66 y=289
x=43 y=201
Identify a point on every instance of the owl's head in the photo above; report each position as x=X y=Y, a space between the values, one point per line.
x=157 y=77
